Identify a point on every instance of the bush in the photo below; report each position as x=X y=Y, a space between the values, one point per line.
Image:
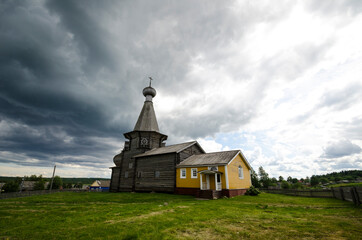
x=12 y=186
x=39 y=185
x=285 y=185
x=252 y=191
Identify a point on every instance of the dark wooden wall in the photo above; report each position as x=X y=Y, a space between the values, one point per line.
x=147 y=166
x=142 y=175
x=194 y=149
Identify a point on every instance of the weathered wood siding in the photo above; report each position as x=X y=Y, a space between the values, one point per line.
x=146 y=179
x=194 y=149
x=115 y=179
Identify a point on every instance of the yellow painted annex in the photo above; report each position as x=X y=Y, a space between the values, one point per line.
x=234 y=174
x=236 y=182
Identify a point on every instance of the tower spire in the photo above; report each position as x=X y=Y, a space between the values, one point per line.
x=147 y=119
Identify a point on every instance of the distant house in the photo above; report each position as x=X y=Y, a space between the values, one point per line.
x=213 y=175
x=100 y=185
x=28 y=185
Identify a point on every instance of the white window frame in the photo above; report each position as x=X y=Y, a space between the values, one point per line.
x=241 y=173
x=192 y=172
x=181 y=171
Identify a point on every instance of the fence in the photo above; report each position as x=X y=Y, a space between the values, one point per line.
x=40 y=192
x=352 y=194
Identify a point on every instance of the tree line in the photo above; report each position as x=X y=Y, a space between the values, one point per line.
x=262 y=179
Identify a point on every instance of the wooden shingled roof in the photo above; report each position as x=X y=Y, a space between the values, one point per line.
x=215 y=158
x=169 y=149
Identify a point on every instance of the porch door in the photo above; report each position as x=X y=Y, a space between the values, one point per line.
x=207 y=182
x=218 y=182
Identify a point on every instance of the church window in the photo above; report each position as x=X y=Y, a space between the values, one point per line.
x=193 y=172
x=126 y=174
x=241 y=174
x=183 y=173
x=157 y=174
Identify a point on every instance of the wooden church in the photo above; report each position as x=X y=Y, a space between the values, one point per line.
x=146 y=164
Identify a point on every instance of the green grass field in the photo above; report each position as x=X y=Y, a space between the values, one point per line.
x=167 y=216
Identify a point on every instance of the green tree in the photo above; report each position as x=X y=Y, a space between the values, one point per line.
x=294 y=180
x=39 y=185
x=290 y=179
x=323 y=180
x=285 y=185
x=264 y=177
x=307 y=180
x=314 y=180
x=11 y=186
x=57 y=183
x=80 y=185
x=297 y=185
x=281 y=179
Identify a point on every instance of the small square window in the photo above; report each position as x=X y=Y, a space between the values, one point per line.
x=183 y=173
x=193 y=172
x=157 y=174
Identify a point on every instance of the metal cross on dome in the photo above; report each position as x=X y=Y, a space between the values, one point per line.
x=150 y=80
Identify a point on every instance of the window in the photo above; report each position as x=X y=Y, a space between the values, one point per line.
x=139 y=174
x=193 y=172
x=183 y=173
x=130 y=165
x=241 y=174
x=157 y=174
x=126 y=174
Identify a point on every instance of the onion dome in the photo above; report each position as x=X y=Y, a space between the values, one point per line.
x=118 y=159
x=149 y=91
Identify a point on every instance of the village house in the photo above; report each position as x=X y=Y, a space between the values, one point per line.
x=147 y=164
x=100 y=186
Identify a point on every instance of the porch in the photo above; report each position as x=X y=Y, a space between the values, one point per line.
x=210 y=184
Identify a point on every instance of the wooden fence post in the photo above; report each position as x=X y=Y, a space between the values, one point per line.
x=355 y=196
x=342 y=193
x=334 y=195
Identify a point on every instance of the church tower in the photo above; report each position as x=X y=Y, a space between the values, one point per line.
x=144 y=137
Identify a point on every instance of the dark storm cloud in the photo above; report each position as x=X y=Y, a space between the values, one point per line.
x=340 y=149
x=72 y=72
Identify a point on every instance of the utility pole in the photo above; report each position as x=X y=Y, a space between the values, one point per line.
x=51 y=185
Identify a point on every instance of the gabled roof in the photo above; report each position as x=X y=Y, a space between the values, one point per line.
x=215 y=158
x=147 y=119
x=169 y=149
x=101 y=183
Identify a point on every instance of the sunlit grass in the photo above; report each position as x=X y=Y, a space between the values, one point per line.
x=167 y=216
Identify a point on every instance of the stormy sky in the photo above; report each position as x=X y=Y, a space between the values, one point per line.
x=282 y=81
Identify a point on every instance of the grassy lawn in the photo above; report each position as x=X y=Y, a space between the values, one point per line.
x=167 y=216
